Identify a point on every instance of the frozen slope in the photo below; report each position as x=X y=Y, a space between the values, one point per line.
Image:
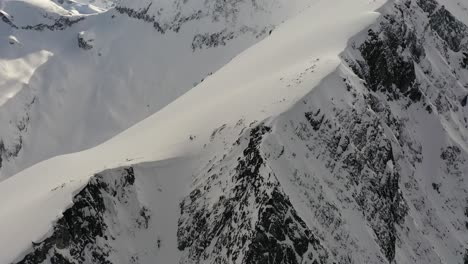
x=288 y=64
x=347 y=144
x=105 y=71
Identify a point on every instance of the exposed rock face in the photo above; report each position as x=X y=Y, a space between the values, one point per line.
x=447 y=27
x=141 y=15
x=226 y=12
x=7 y=20
x=86 y=231
x=11 y=149
x=254 y=222
x=84 y=43
x=60 y=23
x=365 y=143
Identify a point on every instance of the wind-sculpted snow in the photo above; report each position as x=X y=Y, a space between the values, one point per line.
x=88 y=229
x=95 y=61
x=364 y=163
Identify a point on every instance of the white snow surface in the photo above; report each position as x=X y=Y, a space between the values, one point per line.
x=16 y=73
x=260 y=83
x=83 y=89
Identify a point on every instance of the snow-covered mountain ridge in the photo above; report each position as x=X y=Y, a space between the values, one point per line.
x=351 y=149
x=86 y=64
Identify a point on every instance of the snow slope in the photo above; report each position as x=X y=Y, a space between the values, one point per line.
x=73 y=101
x=17 y=72
x=288 y=64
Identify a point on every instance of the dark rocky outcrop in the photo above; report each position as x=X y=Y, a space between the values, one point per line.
x=251 y=223
x=211 y=40
x=464 y=62
x=7 y=20
x=385 y=67
x=75 y=235
x=83 y=44
x=59 y=24
x=214 y=11
x=356 y=146
x=452 y=31
x=141 y=15
x=13 y=149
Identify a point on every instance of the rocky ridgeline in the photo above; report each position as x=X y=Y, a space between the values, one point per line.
x=363 y=142
x=357 y=153
x=213 y=12
x=141 y=15
x=12 y=149
x=7 y=20
x=59 y=23
x=252 y=222
x=86 y=231
x=212 y=40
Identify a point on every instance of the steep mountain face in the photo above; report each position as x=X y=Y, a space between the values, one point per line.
x=367 y=167
x=386 y=142
x=99 y=208
x=380 y=143
x=87 y=62
x=251 y=220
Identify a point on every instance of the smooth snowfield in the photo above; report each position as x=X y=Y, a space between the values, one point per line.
x=261 y=82
x=130 y=70
x=16 y=73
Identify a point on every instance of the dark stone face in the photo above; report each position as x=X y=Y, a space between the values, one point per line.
x=59 y=24
x=315 y=119
x=6 y=20
x=391 y=51
x=464 y=101
x=387 y=70
x=83 y=44
x=356 y=146
x=71 y=232
x=452 y=31
x=445 y=24
x=216 y=10
x=211 y=40
x=276 y=225
x=429 y=6
x=83 y=223
x=464 y=62
x=141 y=15
x=251 y=196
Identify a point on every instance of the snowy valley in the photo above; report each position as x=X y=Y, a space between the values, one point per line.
x=304 y=131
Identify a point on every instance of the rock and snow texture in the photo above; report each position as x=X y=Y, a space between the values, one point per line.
x=98 y=73
x=339 y=141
